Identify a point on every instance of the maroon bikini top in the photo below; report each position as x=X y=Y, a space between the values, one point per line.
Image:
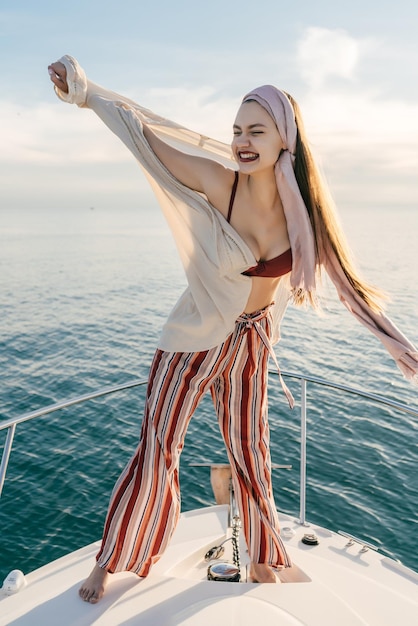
x=272 y=268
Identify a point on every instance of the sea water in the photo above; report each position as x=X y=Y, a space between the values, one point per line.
x=83 y=296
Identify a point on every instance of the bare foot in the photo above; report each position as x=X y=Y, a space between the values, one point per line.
x=93 y=587
x=263 y=573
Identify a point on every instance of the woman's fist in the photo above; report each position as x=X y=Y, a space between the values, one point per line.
x=58 y=75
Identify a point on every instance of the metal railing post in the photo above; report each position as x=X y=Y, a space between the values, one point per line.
x=6 y=454
x=302 y=509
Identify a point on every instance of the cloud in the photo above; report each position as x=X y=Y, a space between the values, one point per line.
x=366 y=134
x=198 y=108
x=324 y=53
x=66 y=154
x=49 y=134
x=54 y=134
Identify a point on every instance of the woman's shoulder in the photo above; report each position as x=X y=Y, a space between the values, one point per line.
x=218 y=186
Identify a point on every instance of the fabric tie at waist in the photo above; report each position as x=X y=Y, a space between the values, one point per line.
x=253 y=321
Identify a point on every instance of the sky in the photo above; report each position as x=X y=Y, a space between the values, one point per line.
x=353 y=68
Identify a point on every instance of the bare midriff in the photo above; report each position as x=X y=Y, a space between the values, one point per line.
x=262 y=293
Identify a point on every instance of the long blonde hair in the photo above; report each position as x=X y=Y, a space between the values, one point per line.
x=324 y=220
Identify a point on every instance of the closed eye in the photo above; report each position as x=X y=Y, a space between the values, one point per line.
x=254 y=129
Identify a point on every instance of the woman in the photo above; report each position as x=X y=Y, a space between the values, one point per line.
x=250 y=239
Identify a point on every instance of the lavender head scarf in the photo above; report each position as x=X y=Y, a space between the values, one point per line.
x=279 y=107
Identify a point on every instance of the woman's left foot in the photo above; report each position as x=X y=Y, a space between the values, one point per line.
x=93 y=587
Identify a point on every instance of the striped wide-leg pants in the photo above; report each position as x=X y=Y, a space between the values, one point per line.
x=145 y=503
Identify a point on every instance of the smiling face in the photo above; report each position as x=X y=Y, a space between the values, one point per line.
x=257 y=143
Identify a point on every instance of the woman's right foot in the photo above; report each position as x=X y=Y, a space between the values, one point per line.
x=93 y=587
x=263 y=573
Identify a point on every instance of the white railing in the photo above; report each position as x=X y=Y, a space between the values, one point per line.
x=11 y=424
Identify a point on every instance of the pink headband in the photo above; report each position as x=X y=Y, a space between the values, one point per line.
x=279 y=107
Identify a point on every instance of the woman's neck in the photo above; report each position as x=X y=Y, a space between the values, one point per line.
x=261 y=190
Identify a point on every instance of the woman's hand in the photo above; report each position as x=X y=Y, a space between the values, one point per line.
x=58 y=75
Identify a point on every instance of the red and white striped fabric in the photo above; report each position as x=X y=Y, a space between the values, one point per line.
x=145 y=503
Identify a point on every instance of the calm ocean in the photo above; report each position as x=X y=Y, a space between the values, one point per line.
x=83 y=295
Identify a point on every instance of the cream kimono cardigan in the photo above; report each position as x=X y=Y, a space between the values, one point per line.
x=213 y=254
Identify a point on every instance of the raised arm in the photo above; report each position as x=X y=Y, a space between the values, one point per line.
x=197 y=173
